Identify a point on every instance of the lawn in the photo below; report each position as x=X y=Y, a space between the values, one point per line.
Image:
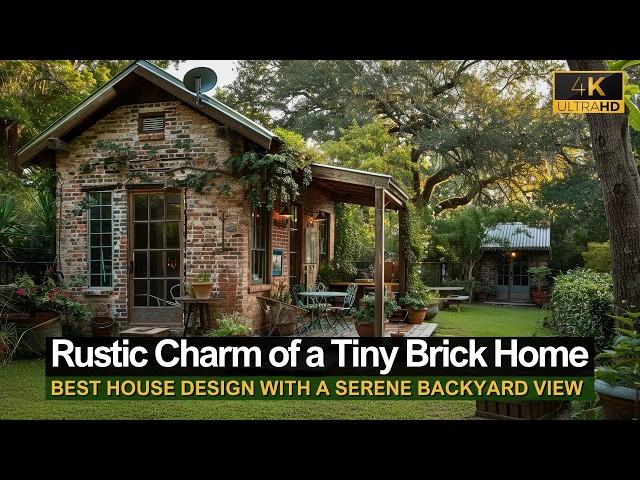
x=22 y=387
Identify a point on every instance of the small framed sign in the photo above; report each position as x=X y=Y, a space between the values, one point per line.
x=276 y=263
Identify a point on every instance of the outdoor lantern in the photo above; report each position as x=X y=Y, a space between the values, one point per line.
x=513 y=254
x=319 y=217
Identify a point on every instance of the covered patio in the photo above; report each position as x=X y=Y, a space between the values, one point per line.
x=373 y=190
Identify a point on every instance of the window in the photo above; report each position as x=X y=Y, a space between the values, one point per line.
x=323 y=233
x=151 y=122
x=101 y=240
x=259 y=244
x=521 y=272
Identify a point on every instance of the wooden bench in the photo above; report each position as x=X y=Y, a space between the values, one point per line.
x=456 y=299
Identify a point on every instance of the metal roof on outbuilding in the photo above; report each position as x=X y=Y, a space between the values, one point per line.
x=517 y=236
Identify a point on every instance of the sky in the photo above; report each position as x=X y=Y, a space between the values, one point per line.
x=223 y=68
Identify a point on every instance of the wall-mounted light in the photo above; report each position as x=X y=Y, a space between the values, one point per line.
x=513 y=254
x=284 y=212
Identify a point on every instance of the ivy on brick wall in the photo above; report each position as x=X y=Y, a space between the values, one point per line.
x=271 y=178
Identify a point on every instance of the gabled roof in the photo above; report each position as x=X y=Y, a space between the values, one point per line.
x=150 y=72
x=517 y=236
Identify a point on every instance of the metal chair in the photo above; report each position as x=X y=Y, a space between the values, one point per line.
x=318 y=287
x=280 y=314
x=297 y=299
x=347 y=305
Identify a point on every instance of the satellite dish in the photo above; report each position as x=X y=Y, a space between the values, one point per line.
x=200 y=79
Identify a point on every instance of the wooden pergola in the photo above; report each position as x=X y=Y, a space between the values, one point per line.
x=373 y=190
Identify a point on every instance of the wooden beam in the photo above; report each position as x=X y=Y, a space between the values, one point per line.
x=402 y=250
x=378 y=325
x=57 y=145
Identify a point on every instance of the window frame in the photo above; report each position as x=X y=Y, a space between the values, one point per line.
x=266 y=263
x=324 y=226
x=90 y=246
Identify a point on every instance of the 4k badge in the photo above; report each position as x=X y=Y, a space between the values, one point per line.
x=588 y=92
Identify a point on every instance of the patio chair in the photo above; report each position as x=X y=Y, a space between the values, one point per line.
x=280 y=314
x=340 y=312
x=318 y=287
x=297 y=299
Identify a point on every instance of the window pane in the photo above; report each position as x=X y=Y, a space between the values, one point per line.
x=106 y=226
x=94 y=226
x=105 y=198
x=156 y=206
x=156 y=264
x=140 y=293
x=173 y=235
x=140 y=233
x=105 y=212
x=173 y=263
x=141 y=207
x=94 y=213
x=156 y=235
x=140 y=264
x=156 y=293
x=173 y=211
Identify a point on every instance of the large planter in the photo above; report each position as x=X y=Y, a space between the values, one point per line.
x=36 y=328
x=416 y=316
x=540 y=298
x=202 y=290
x=518 y=409
x=101 y=326
x=364 y=329
x=618 y=403
x=483 y=296
x=432 y=311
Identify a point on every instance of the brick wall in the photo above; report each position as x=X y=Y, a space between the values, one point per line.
x=206 y=212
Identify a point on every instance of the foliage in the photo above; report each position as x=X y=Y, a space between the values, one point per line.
x=230 y=325
x=597 y=257
x=280 y=292
x=470 y=285
x=415 y=237
x=10 y=224
x=581 y=301
x=539 y=275
x=8 y=341
x=460 y=129
x=575 y=206
x=83 y=205
x=272 y=178
x=354 y=239
x=366 y=312
x=202 y=277
x=620 y=362
x=418 y=300
x=630 y=91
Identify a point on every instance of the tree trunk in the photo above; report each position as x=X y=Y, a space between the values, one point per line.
x=620 y=183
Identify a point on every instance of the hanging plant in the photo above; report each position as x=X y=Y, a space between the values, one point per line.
x=271 y=178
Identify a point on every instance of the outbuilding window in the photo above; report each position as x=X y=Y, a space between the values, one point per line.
x=152 y=122
x=101 y=240
x=259 y=245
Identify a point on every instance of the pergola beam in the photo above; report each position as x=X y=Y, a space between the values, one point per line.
x=378 y=325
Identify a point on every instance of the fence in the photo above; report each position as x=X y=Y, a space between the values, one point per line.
x=32 y=254
x=434 y=274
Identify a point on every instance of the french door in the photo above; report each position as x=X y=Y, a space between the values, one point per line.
x=155 y=256
x=512 y=280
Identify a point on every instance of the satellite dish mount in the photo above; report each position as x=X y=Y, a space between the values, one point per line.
x=199 y=80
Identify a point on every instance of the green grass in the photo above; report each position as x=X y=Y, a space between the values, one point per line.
x=22 y=386
x=478 y=320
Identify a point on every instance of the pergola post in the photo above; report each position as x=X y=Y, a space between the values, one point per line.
x=378 y=325
x=402 y=247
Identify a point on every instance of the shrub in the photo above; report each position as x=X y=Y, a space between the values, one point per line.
x=581 y=302
x=230 y=325
x=366 y=313
x=597 y=257
x=620 y=362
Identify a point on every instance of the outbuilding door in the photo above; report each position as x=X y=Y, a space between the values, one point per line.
x=155 y=256
x=512 y=282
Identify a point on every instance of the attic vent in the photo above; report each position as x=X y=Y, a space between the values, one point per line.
x=151 y=123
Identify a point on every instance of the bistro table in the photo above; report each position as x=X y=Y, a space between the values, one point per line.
x=446 y=293
x=202 y=304
x=316 y=314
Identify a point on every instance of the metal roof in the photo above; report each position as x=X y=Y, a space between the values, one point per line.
x=104 y=94
x=517 y=236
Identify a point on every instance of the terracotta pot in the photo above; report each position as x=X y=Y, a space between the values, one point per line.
x=364 y=329
x=38 y=327
x=416 y=316
x=202 y=291
x=540 y=298
x=432 y=311
x=101 y=326
x=618 y=403
x=482 y=296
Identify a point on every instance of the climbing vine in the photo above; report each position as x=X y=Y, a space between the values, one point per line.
x=413 y=230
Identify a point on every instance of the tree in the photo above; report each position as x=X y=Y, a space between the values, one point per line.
x=34 y=93
x=597 y=257
x=620 y=183
x=468 y=127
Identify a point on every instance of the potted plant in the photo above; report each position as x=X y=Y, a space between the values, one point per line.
x=483 y=292
x=230 y=325
x=618 y=377
x=202 y=286
x=364 y=317
x=420 y=303
x=539 y=275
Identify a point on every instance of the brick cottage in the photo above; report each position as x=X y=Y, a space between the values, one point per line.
x=135 y=234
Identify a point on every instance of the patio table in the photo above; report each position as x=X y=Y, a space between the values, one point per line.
x=316 y=314
x=444 y=292
x=202 y=304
